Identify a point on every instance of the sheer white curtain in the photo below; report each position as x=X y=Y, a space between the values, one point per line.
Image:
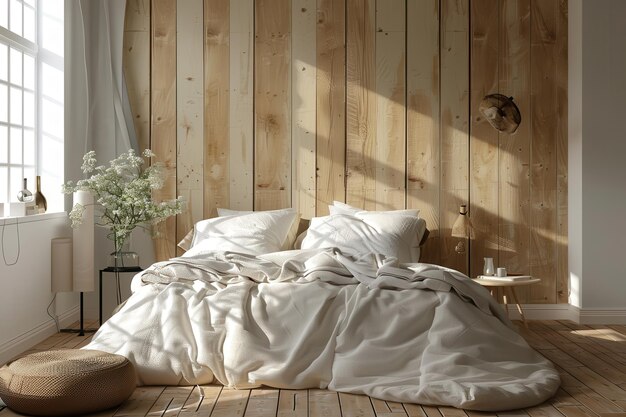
x=94 y=105
x=94 y=108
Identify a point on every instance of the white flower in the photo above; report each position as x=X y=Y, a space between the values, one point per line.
x=123 y=192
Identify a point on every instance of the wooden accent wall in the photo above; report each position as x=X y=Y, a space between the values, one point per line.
x=263 y=104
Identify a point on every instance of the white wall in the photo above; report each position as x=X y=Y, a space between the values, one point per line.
x=25 y=287
x=597 y=155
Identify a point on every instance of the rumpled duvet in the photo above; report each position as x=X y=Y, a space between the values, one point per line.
x=416 y=333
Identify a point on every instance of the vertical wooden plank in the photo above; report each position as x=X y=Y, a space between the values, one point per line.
x=544 y=115
x=170 y=402
x=163 y=130
x=136 y=63
x=292 y=403
x=514 y=184
x=323 y=403
x=303 y=105
x=272 y=98
x=241 y=104
x=201 y=401
x=231 y=403
x=190 y=114
x=262 y=403
x=562 y=270
x=484 y=138
x=414 y=410
x=423 y=118
x=216 y=105
x=361 y=104
x=331 y=96
x=353 y=405
x=140 y=401
x=454 y=125
x=390 y=104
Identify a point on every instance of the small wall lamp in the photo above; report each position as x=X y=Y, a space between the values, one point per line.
x=462 y=228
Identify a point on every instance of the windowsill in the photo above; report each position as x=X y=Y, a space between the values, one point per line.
x=32 y=217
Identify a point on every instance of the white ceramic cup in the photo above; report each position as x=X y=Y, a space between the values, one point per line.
x=501 y=272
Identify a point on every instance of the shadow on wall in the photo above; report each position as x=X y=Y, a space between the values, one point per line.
x=435 y=154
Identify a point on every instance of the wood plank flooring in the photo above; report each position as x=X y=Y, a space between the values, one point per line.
x=590 y=359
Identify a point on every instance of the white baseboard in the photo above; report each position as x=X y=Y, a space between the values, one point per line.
x=569 y=312
x=542 y=312
x=599 y=316
x=25 y=341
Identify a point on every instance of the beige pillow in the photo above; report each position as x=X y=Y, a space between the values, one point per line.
x=293 y=230
x=185 y=244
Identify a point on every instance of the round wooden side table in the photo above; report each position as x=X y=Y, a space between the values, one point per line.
x=510 y=287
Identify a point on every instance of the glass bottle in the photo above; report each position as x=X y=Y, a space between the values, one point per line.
x=488 y=269
x=25 y=196
x=40 y=199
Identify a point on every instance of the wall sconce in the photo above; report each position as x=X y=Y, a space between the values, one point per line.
x=462 y=228
x=501 y=112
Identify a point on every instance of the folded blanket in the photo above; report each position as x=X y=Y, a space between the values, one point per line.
x=317 y=318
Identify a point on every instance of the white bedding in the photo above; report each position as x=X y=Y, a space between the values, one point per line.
x=316 y=318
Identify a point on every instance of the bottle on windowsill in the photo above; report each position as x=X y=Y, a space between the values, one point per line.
x=25 y=196
x=40 y=199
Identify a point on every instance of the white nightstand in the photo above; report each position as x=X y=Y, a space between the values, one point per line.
x=508 y=286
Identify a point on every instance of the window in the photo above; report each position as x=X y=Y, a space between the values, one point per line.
x=31 y=98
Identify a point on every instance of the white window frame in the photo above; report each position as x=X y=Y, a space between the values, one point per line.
x=41 y=56
x=25 y=46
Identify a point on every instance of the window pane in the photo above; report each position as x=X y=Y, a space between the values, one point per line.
x=4 y=145
x=4 y=62
x=52 y=148
x=4 y=173
x=52 y=35
x=52 y=8
x=29 y=24
x=4 y=103
x=29 y=147
x=51 y=82
x=16 y=67
x=15 y=24
x=16 y=106
x=16 y=145
x=29 y=109
x=4 y=18
x=51 y=118
x=15 y=182
x=29 y=72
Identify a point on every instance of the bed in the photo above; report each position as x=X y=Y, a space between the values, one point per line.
x=350 y=310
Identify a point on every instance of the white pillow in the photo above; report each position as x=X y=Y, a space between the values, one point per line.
x=293 y=231
x=255 y=233
x=363 y=233
x=342 y=208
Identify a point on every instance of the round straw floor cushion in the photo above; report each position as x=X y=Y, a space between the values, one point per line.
x=66 y=382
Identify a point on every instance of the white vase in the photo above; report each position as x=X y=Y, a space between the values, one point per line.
x=488 y=269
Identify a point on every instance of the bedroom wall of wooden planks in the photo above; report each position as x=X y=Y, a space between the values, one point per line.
x=263 y=104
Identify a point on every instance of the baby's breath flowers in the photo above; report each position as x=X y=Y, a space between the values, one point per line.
x=123 y=194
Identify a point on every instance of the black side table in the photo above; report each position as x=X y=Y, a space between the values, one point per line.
x=117 y=271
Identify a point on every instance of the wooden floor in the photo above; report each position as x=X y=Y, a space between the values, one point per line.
x=591 y=360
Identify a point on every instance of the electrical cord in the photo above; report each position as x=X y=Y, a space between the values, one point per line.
x=55 y=318
x=19 y=245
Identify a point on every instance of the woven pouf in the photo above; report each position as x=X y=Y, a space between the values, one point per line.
x=66 y=382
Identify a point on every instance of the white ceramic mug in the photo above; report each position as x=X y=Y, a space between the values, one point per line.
x=501 y=272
